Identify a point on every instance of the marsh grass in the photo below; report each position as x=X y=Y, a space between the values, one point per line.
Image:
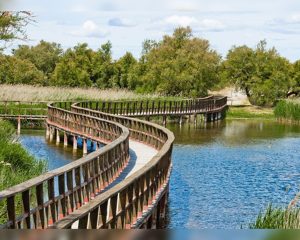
x=288 y=109
x=16 y=165
x=277 y=218
x=35 y=93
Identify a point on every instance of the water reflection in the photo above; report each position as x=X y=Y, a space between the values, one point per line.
x=224 y=175
x=233 y=132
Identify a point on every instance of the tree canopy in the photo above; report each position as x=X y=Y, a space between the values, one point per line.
x=262 y=73
x=12 y=26
x=179 y=65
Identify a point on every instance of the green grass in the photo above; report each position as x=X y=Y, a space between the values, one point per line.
x=248 y=113
x=277 y=218
x=16 y=165
x=288 y=109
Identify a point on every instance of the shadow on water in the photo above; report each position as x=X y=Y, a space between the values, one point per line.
x=178 y=210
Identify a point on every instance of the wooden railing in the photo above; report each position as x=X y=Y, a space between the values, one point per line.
x=42 y=201
x=158 y=107
x=133 y=201
x=69 y=196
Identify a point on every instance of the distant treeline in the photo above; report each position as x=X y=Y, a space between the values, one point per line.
x=178 y=65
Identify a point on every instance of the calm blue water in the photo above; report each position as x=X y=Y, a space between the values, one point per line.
x=222 y=176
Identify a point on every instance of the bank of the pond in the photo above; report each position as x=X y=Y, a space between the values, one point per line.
x=16 y=163
x=250 y=112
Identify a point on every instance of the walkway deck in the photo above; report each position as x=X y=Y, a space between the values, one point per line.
x=140 y=155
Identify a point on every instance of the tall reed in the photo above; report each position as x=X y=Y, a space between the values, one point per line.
x=288 y=109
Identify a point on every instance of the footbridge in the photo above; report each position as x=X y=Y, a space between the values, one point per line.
x=121 y=185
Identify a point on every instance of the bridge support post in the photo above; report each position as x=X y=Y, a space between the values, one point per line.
x=19 y=126
x=65 y=139
x=47 y=132
x=164 y=120
x=51 y=134
x=195 y=119
x=74 y=143
x=57 y=136
x=84 y=142
x=96 y=146
x=180 y=120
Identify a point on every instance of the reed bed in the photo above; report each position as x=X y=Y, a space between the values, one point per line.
x=288 y=109
x=278 y=218
x=36 y=93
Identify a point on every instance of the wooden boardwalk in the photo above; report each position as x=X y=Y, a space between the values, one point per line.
x=140 y=155
x=122 y=185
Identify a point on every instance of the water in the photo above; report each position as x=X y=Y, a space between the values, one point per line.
x=222 y=176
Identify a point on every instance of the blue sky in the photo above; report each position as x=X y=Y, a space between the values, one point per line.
x=127 y=23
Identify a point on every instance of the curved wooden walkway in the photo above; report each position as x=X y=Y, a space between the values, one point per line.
x=121 y=185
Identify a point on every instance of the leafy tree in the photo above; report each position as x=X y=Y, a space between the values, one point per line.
x=124 y=66
x=17 y=71
x=295 y=90
x=74 y=68
x=262 y=73
x=178 y=65
x=12 y=26
x=44 y=56
x=104 y=72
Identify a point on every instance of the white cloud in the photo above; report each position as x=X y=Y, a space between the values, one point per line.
x=121 y=22
x=90 y=29
x=180 y=20
x=184 y=6
x=171 y=22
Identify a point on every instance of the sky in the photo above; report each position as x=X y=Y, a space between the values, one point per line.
x=127 y=23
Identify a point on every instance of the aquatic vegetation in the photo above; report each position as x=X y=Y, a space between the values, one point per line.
x=288 y=109
x=278 y=218
x=16 y=164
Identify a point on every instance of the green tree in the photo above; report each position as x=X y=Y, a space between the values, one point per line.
x=295 y=90
x=17 y=71
x=178 y=65
x=12 y=26
x=262 y=73
x=74 y=68
x=104 y=73
x=124 y=66
x=44 y=56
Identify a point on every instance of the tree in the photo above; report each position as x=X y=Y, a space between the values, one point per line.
x=104 y=70
x=178 y=65
x=262 y=73
x=124 y=66
x=74 y=68
x=44 y=56
x=12 y=26
x=17 y=71
x=295 y=90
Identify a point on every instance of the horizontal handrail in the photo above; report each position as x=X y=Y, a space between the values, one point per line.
x=47 y=195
